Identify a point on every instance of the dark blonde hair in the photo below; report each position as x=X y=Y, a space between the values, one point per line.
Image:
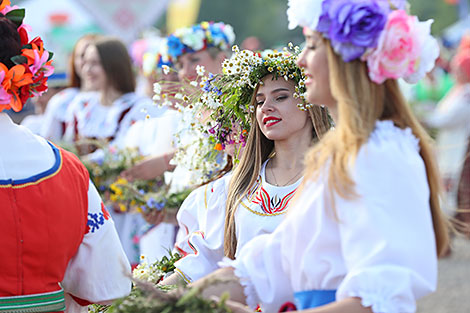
x=75 y=80
x=360 y=104
x=257 y=150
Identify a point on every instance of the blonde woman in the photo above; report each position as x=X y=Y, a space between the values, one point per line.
x=255 y=198
x=366 y=229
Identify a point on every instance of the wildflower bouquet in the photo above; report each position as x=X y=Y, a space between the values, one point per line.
x=146 y=196
x=106 y=166
x=156 y=271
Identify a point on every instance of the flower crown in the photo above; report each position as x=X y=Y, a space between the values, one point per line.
x=154 y=61
x=28 y=77
x=228 y=95
x=379 y=32
x=199 y=37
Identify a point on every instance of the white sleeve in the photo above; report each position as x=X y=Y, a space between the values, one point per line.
x=387 y=236
x=100 y=271
x=207 y=242
x=454 y=116
x=190 y=213
x=263 y=270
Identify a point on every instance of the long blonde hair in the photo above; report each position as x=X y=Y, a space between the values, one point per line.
x=256 y=152
x=360 y=103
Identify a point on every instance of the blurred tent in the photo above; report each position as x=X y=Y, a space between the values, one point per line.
x=182 y=13
x=123 y=18
x=60 y=23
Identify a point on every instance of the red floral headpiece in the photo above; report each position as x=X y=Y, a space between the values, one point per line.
x=28 y=77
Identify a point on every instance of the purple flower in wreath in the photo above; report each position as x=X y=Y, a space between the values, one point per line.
x=353 y=26
x=175 y=46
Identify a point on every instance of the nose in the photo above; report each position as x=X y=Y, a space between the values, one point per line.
x=267 y=106
x=301 y=59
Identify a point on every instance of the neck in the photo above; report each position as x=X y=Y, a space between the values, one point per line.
x=109 y=95
x=290 y=152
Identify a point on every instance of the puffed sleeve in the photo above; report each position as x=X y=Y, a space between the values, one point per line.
x=190 y=213
x=263 y=271
x=387 y=237
x=207 y=242
x=100 y=271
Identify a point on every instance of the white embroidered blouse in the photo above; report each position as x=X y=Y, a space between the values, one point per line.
x=259 y=213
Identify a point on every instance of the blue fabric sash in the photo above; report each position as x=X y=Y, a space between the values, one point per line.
x=313 y=298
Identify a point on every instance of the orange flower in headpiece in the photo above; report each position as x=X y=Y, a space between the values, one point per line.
x=15 y=78
x=4 y=3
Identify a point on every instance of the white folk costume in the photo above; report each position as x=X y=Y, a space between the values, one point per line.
x=88 y=118
x=58 y=238
x=379 y=247
x=259 y=213
x=55 y=117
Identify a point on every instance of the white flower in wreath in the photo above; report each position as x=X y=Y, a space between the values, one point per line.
x=194 y=39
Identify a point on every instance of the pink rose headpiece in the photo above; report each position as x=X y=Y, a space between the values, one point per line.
x=28 y=77
x=379 y=32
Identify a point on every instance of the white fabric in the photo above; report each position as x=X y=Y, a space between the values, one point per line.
x=153 y=136
x=100 y=271
x=95 y=120
x=451 y=117
x=251 y=220
x=56 y=113
x=380 y=247
x=34 y=123
x=193 y=211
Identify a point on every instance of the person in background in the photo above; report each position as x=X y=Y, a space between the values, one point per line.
x=114 y=107
x=51 y=259
x=206 y=53
x=55 y=115
x=451 y=118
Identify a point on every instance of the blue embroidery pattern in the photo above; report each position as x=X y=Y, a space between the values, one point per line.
x=95 y=220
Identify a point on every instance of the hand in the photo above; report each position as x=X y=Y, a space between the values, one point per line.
x=235 y=306
x=149 y=168
x=154 y=217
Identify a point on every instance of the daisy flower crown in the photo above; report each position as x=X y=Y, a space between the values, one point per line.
x=198 y=37
x=228 y=95
x=28 y=77
x=379 y=32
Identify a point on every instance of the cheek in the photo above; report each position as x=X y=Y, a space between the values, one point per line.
x=259 y=117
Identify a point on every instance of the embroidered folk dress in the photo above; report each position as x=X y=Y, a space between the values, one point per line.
x=55 y=117
x=259 y=213
x=55 y=229
x=88 y=118
x=379 y=247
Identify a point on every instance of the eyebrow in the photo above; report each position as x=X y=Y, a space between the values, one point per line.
x=274 y=91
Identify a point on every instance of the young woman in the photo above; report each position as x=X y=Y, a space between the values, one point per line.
x=57 y=237
x=108 y=113
x=54 y=124
x=366 y=229
x=254 y=199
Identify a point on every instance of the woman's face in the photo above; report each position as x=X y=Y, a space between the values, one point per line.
x=315 y=62
x=93 y=71
x=78 y=55
x=277 y=113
